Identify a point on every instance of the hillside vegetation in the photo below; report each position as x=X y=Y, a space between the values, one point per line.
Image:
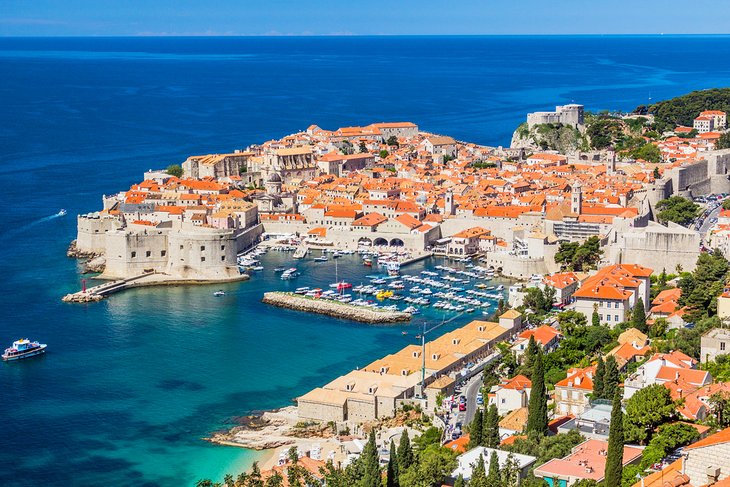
x=682 y=110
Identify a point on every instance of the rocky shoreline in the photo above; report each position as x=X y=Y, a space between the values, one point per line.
x=94 y=262
x=334 y=308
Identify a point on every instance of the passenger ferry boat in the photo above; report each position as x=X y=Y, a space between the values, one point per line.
x=23 y=348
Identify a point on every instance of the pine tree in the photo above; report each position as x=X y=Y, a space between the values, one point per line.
x=638 y=316
x=478 y=474
x=614 y=459
x=392 y=472
x=405 y=453
x=459 y=482
x=611 y=378
x=494 y=479
x=475 y=429
x=598 y=377
x=371 y=463
x=490 y=432
x=537 y=420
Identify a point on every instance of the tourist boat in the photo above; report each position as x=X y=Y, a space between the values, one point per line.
x=61 y=212
x=23 y=348
x=219 y=293
x=500 y=288
x=321 y=258
x=384 y=294
x=289 y=273
x=393 y=268
x=412 y=310
x=302 y=290
x=341 y=286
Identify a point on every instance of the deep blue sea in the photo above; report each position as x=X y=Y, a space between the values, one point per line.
x=131 y=384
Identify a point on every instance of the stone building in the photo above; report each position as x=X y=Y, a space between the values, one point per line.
x=294 y=164
x=708 y=460
x=713 y=343
x=571 y=114
x=216 y=165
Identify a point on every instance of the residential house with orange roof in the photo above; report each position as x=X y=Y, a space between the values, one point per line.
x=586 y=461
x=663 y=367
x=511 y=394
x=565 y=284
x=572 y=394
x=466 y=242
x=545 y=336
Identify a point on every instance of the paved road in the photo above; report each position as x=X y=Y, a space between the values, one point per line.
x=471 y=391
x=707 y=222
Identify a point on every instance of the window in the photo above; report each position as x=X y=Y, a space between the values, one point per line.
x=223 y=247
x=503 y=400
x=148 y=253
x=202 y=247
x=181 y=247
x=601 y=317
x=202 y=259
x=134 y=254
x=615 y=305
x=608 y=317
x=163 y=253
x=616 y=317
x=722 y=345
x=223 y=257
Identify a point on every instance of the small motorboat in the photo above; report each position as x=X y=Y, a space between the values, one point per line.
x=219 y=293
x=61 y=212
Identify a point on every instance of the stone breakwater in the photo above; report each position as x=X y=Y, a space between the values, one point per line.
x=334 y=308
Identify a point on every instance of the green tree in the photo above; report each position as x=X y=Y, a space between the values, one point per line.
x=678 y=210
x=682 y=110
x=723 y=143
x=647 y=152
x=276 y=480
x=371 y=463
x=204 y=483
x=242 y=479
x=475 y=429
x=174 y=170
x=490 y=432
x=657 y=174
x=459 y=482
x=392 y=470
x=254 y=478
x=611 y=378
x=615 y=456
x=545 y=448
x=720 y=402
x=531 y=352
x=405 y=453
x=595 y=318
x=478 y=474
x=510 y=472
x=570 y=320
x=363 y=147
x=537 y=419
x=645 y=410
x=434 y=464
x=392 y=140
x=598 y=387
x=638 y=316
x=383 y=154
x=494 y=479
x=228 y=480
x=667 y=438
x=701 y=287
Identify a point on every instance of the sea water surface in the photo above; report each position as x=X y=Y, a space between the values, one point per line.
x=130 y=385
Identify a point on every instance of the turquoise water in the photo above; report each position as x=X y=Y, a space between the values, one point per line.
x=131 y=385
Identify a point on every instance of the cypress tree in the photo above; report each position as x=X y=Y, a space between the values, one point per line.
x=479 y=474
x=475 y=429
x=494 y=479
x=405 y=453
x=611 y=378
x=371 y=463
x=595 y=319
x=537 y=420
x=459 y=482
x=490 y=433
x=598 y=385
x=392 y=478
x=638 y=316
x=615 y=457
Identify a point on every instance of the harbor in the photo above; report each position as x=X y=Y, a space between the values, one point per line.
x=334 y=308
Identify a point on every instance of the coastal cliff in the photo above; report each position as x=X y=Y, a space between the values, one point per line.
x=334 y=308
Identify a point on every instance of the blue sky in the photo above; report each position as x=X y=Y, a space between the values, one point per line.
x=372 y=17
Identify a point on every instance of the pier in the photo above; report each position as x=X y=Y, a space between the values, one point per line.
x=152 y=278
x=335 y=308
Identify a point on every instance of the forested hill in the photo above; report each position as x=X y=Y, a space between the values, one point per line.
x=683 y=109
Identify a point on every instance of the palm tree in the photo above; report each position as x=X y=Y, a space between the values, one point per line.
x=204 y=483
x=228 y=480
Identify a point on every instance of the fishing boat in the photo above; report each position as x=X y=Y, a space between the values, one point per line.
x=23 y=348
x=219 y=293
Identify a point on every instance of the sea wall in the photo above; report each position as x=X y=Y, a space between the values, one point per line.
x=334 y=308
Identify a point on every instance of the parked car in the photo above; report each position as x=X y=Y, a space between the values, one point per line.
x=462 y=406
